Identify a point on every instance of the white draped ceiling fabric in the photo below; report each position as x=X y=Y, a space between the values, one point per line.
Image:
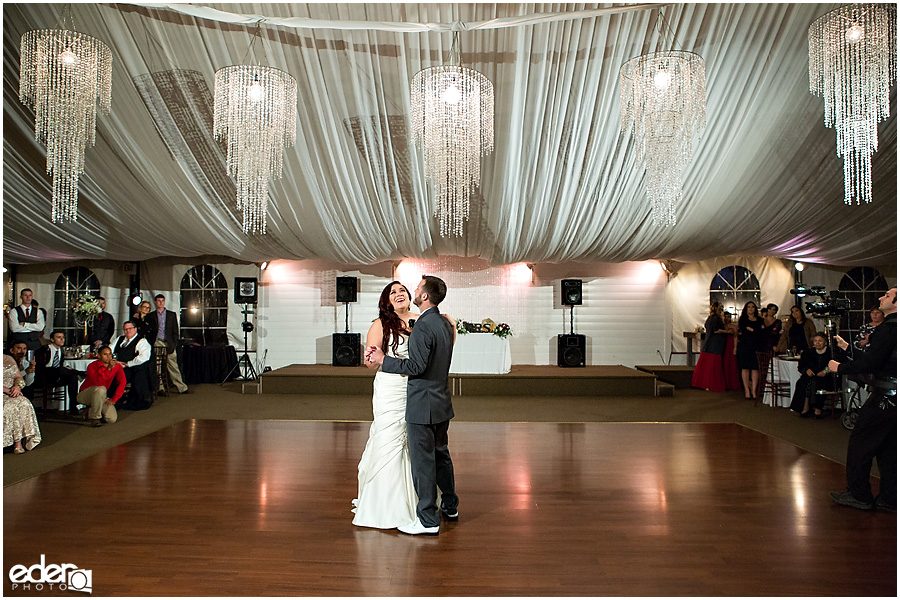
x=560 y=186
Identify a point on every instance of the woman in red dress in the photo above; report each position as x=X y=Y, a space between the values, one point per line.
x=729 y=359
x=709 y=374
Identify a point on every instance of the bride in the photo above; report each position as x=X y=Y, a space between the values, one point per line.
x=386 y=497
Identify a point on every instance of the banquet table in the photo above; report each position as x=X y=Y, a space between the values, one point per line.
x=481 y=353
x=208 y=364
x=785 y=370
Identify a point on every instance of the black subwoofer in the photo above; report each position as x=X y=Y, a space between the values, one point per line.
x=571 y=292
x=345 y=350
x=570 y=350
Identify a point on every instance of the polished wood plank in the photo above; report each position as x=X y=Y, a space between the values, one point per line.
x=262 y=508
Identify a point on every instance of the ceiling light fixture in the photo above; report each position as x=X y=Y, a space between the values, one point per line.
x=65 y=76
x=452 y=119
x=852 y=63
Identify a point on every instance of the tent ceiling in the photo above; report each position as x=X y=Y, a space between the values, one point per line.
x=560 y=186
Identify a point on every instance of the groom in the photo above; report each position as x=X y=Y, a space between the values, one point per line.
x=428 y=408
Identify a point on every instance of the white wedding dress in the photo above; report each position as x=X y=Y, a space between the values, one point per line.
x=386 y=496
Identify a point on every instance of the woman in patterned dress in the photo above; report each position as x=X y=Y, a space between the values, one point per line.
x=20 y=426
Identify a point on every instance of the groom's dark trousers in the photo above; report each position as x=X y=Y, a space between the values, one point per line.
x=428 y=413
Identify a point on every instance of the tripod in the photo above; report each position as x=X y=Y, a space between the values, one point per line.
x=244 y=366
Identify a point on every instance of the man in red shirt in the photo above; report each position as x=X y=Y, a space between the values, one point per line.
x=101 y=375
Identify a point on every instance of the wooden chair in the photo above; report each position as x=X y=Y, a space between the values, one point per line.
x=161 y=359
x=768 y=382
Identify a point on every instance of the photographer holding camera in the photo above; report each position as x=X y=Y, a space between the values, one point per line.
x=875 y=434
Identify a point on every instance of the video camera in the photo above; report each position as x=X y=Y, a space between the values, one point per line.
x=829 y=305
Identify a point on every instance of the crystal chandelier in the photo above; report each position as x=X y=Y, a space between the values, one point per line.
x=63 y=77
x=254 y=111
x=452 y=119
x=852 y=63
x=663 y=98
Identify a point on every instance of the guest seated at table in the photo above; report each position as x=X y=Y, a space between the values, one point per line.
x=709 y=373
x=861 y=341
x=771 y=328
x=20 y=426
x=52 y=372
x=797 y=333
x=133 y=353
x=814 y=375
x=19 y=351
x=102 y=388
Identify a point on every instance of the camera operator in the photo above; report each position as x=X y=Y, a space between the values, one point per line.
x=875 y=434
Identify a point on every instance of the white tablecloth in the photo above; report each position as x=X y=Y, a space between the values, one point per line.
x=785 y=370
x=481 y=353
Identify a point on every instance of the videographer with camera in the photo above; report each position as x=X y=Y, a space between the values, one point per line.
x=875 y=434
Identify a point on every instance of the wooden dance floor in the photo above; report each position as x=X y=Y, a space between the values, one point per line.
x=262 y=508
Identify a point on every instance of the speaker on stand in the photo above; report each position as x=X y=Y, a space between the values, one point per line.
x=571 y=347
x=345 y=347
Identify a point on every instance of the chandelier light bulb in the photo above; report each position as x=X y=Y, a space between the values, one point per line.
x=855 y=33
x=255 y=92
x=662 y=79
x=451 y=95
x=68 y=57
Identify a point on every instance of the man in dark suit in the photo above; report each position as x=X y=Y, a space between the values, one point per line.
x=52 y=371
x=103 y=326
x=428 y=407
x=162 y=330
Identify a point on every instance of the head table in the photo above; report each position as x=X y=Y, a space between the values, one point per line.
x=481 y=353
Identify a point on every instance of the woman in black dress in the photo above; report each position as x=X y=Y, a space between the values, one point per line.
x=813 y=366
x=771 y=328
x=750 y=341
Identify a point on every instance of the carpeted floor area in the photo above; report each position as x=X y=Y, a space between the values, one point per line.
x=65 y=443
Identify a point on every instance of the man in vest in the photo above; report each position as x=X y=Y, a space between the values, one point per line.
x=26 y=321
x=133 y=353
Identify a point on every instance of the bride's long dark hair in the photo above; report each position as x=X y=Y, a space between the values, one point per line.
x=391 y=323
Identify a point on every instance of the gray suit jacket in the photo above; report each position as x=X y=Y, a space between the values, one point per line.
x=428 y=366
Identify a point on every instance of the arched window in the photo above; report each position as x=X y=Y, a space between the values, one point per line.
x=734 y=286
x=71 y=285
x=204 y=306
x=863 y=286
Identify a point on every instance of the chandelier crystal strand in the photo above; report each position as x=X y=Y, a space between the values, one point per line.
x=663 y=99
x=852 y=63
x=64 y=76
x=255 y=113
x=452 y=119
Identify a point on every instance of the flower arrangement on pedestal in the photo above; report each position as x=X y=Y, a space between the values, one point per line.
x=501 y=330
x=699 y=330
x=86 y=308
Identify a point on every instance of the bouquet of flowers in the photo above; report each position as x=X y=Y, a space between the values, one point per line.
x=486 y=326
x=699 y=330
x=86 y=308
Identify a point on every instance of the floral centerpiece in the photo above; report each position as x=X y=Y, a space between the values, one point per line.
x=699 y=330
x=501 y=330
x=86 y=308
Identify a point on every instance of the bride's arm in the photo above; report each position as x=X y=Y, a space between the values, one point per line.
x=453 y=324
x=374 y=338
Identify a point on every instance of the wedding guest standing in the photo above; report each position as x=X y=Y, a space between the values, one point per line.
x=861 y=341
x=750 y=340
x=771 y=328
x=27 y=321
x=140 y=319
x=709 y=374
x=729 y=358
x=797 y=333
x=163 y=331
x=102 y=327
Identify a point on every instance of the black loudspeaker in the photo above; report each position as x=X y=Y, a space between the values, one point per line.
x=571 y=292
x=245 y=290
x=570 y=350
x=345 y=289
x=345 y=350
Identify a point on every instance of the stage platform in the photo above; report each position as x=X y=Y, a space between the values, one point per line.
x=522 y=380
x=677 y=375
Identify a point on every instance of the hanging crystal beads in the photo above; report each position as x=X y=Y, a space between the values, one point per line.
x=255 y=113
x=452 y=119
x=663 y=98
x=852 y=63
x=64 y=75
